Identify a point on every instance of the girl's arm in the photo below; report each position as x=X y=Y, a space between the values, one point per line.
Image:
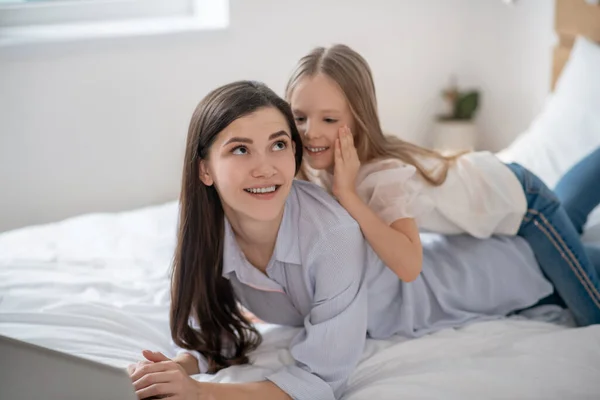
x=398 y=244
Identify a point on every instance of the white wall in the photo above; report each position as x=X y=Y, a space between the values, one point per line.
x=100 y=125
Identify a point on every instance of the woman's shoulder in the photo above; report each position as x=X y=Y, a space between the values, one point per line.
x=315 y=200
x=322 y=227
x=316 y=210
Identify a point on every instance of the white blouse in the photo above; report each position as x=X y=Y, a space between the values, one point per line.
x=480 y=196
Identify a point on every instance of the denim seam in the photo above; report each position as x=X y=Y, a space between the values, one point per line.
x=573 y=263
x=564 y=256
x=559 y=237
x=588 y=289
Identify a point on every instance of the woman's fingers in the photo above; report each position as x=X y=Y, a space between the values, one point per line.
x=132 y=367
x=155 y=356
x=159 y=389
x=154 y=378
x=151 y=368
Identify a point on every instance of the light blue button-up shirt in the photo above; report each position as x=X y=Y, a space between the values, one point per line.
x=324 y=276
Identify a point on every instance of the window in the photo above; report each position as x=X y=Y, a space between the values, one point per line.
x=26 y=20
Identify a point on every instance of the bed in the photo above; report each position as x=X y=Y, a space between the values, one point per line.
x=97 y=285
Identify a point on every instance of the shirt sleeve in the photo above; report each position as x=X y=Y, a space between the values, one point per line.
x=202 y=363
x=394 y=191
x=332 y=342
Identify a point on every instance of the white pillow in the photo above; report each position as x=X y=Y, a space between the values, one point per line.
x=556 y=140
x=568 y=128
x=580 y=79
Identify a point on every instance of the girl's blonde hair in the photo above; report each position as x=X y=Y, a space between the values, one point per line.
x=352 y=74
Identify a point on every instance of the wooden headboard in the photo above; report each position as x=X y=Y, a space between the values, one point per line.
x=573 y=17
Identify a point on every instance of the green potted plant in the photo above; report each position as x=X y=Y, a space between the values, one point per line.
x=455 y=129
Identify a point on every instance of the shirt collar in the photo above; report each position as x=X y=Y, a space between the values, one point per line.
x=287 y=248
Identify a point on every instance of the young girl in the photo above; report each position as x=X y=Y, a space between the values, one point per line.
x=390 y=186
x=289 y=253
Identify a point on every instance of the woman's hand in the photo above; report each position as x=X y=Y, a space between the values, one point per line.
x=131 y=368
x=346 y=165
x=160 y=377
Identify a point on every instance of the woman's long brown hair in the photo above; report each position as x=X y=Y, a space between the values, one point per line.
x=198 y=290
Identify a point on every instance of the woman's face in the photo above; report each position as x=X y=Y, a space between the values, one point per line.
x=320 y=110
x=251 y=164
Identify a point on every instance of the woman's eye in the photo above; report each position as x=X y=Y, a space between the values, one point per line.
x=240 y=150
x=281 y=145
x=299 y=120
x=330 y=120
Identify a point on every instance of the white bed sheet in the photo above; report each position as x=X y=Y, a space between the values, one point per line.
x=97 y=286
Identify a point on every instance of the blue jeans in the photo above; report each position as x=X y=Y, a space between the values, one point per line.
x=579 y=193
x=556 y=244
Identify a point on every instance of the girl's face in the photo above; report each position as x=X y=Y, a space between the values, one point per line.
x=252 y=165
x=320 y=110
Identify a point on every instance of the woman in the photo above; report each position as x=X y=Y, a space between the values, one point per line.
x=289 y=253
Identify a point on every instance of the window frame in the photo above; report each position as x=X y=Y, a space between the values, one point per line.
x=60 y=20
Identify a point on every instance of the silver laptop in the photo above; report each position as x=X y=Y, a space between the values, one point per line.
x=29 y=372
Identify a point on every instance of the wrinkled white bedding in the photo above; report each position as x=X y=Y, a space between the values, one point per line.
x=97 y=286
